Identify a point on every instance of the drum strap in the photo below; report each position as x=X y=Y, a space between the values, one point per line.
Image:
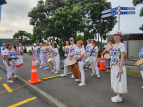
x=92 y=50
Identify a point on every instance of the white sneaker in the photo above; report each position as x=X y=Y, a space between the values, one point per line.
x=56 y=72
x=77 y=79
x=82 y=84
x=10 y=81
x=93 y=74
x=40 y=67
x=53 y=71
x=116 y=100
x=98 y=76
x=113 y=97
x=107 y=70
x=72 y=76
x=14 y=76
x=47 y=68
x=63 y=75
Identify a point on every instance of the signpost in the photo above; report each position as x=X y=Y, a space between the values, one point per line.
x=117 y=11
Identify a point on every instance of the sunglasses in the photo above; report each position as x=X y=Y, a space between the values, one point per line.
x=92 y=42
x=71 y=40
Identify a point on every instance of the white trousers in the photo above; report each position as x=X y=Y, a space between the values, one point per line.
x=94 y=66
x=41 y=59
x=141 y=73
x=66 y=70
x=81 y=64
x=10 y=69
x=57 y=65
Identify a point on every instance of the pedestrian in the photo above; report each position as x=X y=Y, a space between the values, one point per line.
x=45 y=55
x=94 y=54
x=109 y=50
x=79 y=56
x=9 y=56
x=50 y=49
x=17 y=51
x=35 y=54
x=21 y=51
x=72 y=48
x=66 y=49
x=41 y=55
x=141 y=58
x=56 y=58
x=4 y=46
x=118 y=69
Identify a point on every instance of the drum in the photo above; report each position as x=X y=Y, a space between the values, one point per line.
x=88 y=60
x=51 y=62
x=139 y=64
x=75 y=69
x=18 y=62
x=107 y=56
x=66 y=61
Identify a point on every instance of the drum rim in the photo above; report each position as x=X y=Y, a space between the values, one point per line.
x=72 y=64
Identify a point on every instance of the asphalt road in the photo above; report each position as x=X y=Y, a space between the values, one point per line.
x=22 y=94
x=96 y=92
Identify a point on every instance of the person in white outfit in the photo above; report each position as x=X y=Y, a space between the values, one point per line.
x=50 y=48
x=118 y=69
x=94 y=54
x=141 y=58
x=21 y=51
x=35 y=54
x=79 y=56
x=66 y=49
x=56 y=57
x=9 y=56
x=72 y=48
x=41 y=55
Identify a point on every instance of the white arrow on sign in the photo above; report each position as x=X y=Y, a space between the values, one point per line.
x=127 y=12
x=110 y=10
x=110 y=14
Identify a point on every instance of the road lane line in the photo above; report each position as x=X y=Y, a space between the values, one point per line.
x=23 y=102
x=7 y=88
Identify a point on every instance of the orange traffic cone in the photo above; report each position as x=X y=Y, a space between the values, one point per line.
x=102 y=68
x=34 y=76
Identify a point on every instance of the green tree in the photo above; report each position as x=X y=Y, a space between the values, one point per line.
x=135 y=3
x=79 y=37
x=23 y=37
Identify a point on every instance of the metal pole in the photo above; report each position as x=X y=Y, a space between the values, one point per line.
x=41 y=31
x=118 y=18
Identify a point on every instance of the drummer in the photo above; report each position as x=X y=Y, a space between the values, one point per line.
x=50 y=48
x=88 y=47
x=56 y=57
x=35 y=54
x=45 y=55
x=141 y=57
x=4 y=46
x=21 y=51
x=109 y=50
x=72 y=48
x=8 y=57
x=94 y=54
x=79 y=56
x=66 y=49
x=41 y=55
x=118 y=69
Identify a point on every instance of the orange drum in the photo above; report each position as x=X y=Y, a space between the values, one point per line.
x=107 y=56
x=75 y=69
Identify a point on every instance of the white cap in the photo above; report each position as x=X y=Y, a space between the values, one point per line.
x=3 y=43
x=20 y=44
x=34 y=44
x=71 y=38
x=49 y=42
x=119 y=32
x=41 y=44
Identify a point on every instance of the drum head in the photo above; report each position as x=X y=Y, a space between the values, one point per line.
x=50 y=59
x=107 y=56
x=139 y=62
x=72 y=63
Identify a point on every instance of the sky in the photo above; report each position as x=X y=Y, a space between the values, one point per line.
x=14 y=17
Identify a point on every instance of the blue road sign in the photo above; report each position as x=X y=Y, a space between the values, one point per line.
x=127 y=12
x=110 y=14
x=109 y=10
x=127 y=8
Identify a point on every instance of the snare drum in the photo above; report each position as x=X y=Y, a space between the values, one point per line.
x=51 y=62
x=139 y=64
x=66 y=61
x=107 y=56
x=88 y=60
x=75 y=69
x=18 y=62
